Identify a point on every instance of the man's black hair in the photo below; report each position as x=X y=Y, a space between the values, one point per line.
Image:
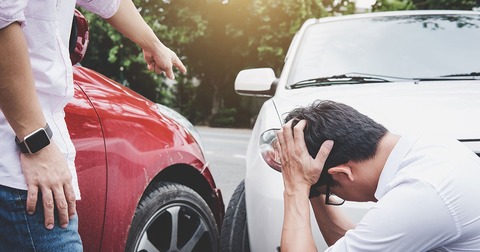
x=355 y=135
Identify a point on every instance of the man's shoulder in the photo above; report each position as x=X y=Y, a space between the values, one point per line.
x=438 y=147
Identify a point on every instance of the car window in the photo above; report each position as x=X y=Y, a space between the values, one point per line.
x=416 y=46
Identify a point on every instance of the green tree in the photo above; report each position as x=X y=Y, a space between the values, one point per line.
x=444 y=4
x=391 y=5
x=245 y=34
x=117 y=57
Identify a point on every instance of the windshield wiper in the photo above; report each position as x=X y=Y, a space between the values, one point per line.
x=472 y=74
x=450 y=77
x=343 y=79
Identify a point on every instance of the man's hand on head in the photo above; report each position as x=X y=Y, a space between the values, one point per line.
x=299 y=170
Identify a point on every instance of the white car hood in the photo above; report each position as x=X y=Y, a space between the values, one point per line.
x=439 y=107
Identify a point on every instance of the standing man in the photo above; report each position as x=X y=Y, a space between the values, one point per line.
x=38 y=183
x=425 y=188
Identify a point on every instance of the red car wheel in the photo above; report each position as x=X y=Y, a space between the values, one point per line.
x=173 y=217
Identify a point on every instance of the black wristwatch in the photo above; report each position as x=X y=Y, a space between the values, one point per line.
x=35 y=141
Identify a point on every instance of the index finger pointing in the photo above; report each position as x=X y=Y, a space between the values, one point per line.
x=178 y=63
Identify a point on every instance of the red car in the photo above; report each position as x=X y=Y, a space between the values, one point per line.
x=144 y=180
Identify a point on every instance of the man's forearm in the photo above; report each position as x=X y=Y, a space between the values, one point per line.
x=332 y=223
x=297 y=232
x=18 y=99
x=128 y=21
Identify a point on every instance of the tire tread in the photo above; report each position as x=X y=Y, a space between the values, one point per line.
x=234 y=234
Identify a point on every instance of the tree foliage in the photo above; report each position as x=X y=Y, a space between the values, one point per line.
x=390 y=5
x=444 y=4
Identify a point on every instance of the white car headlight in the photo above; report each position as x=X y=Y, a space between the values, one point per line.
x=182 y=121
x=268 y=149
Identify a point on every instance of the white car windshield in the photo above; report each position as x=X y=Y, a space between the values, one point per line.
x=410 y=46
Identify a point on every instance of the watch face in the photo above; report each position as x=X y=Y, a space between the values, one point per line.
x=37 y=141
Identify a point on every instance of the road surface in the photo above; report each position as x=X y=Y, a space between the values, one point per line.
x=225 y=150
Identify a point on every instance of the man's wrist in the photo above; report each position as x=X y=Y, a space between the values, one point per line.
x=36 y=140
x=298 y=190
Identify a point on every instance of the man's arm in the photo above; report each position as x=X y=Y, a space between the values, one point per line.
x=46 y=170
x=297 y=231
x=18 y=99
x=300 y=171
x=130 y=23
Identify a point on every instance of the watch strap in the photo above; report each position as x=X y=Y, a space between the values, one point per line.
x=22 y=145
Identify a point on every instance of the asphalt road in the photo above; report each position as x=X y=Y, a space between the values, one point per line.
x=225 y=150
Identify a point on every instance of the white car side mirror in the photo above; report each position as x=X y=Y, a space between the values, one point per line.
x=256 y=82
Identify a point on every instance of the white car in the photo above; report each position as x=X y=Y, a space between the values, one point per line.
x=410 y=71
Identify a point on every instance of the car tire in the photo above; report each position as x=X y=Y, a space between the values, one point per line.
x=172 y=217
x=234 y=234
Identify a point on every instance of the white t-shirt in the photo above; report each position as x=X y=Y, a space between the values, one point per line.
x=428 y=200
x=46 y=25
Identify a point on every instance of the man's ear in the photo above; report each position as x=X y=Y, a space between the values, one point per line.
x=341 y=169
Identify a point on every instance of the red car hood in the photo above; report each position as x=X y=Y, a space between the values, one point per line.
x=447 y=107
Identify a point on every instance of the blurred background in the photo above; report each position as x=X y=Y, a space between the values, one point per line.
x=215 y=40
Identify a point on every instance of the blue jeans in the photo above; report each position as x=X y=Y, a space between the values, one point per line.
x=20 y=231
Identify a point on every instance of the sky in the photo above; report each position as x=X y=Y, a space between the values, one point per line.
x=364 y=3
